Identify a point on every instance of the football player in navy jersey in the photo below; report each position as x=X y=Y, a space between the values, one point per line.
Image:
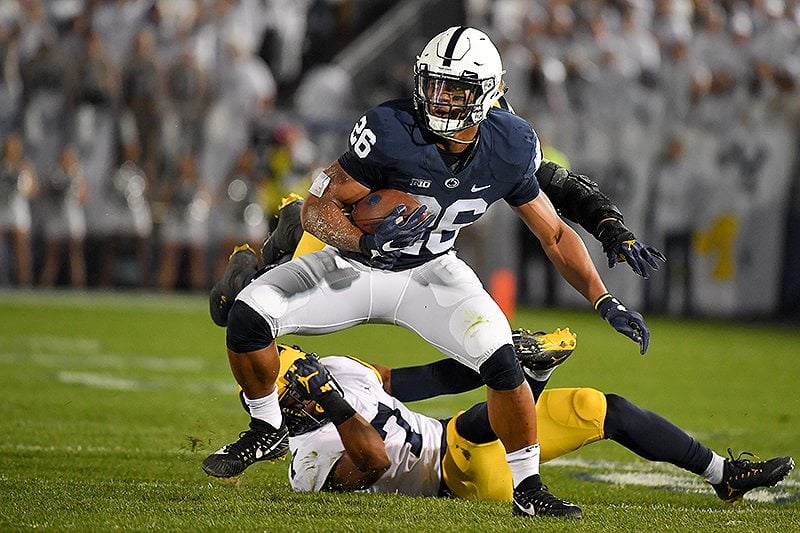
x=457 y=154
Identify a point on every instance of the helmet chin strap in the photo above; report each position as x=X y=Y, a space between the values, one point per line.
x=455 y=140
x=452 y=137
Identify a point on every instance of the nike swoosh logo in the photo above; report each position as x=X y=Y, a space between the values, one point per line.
x=475 y=188
x=528 y=509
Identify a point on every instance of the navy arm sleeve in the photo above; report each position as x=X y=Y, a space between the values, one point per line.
x=447 y=376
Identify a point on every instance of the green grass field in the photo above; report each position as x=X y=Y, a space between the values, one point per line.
x=110 y=402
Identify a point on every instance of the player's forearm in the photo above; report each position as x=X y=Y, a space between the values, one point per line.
x=326 y=221
x=364 y=446
x=563 y=246
x=323 y=213
x=571 y=258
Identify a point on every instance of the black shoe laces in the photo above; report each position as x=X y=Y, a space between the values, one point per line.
x=541 y=498
x=742 y=466
x=248 y=442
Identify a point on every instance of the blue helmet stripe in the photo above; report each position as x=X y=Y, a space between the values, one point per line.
x=451 y=46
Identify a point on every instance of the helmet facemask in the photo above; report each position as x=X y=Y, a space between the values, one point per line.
x=457 y=79
x=449 y=104
x=301 y=415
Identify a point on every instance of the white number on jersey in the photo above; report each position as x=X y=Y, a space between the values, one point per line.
x=443 y=234
x=361 y=138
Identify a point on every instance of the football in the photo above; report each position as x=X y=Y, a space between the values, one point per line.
x=373 y=209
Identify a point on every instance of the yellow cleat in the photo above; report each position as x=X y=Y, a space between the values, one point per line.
x=543 y=351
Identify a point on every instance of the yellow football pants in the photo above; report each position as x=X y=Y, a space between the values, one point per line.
x=567 y=419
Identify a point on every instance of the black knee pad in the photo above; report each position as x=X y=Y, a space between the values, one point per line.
x=247 y=330
x=502 y=371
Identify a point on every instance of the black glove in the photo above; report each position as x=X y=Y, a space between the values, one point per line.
x=620 y=245
x=311 y=379
x=395 y=233
x=629 y=323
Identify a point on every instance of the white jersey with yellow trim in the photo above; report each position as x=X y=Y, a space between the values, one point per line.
x=413 y=441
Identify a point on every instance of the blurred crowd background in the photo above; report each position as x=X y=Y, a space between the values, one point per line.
x=142 y=139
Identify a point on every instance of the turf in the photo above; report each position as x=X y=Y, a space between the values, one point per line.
x=111 y=401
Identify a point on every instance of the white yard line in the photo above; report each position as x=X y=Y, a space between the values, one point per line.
x=54 y=343
x=100 y=381
x=67 y=355
x=667 y=477
x=112 y=382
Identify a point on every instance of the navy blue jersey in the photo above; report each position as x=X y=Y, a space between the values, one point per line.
x=389 y=149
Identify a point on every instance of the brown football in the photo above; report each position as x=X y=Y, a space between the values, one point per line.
x=373 y=209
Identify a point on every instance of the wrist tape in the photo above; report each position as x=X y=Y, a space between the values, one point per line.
x=601 y=299
x=336 y=407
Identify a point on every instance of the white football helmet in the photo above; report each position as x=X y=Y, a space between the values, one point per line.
x=457 y=79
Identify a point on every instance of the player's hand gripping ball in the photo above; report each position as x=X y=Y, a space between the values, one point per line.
x=391 y=221
x=373 y=209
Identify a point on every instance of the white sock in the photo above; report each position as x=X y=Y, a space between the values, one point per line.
x=524 y=463
x=713 y=472
x=266 y=408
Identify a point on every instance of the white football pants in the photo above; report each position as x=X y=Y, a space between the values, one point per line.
x=442 y=301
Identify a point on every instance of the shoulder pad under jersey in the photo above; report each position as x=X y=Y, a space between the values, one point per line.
x=386 y=133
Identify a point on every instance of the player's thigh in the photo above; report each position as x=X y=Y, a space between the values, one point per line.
x=447 y=305
x=313 y=294
x=569 y=419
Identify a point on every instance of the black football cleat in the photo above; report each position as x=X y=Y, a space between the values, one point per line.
x=543 y=351
x=739 y=476
x=261 y=442
x=540 y=502
x=242 y=264
x=282 y=242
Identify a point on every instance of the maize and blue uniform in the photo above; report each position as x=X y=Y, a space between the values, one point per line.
x=425 y=451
